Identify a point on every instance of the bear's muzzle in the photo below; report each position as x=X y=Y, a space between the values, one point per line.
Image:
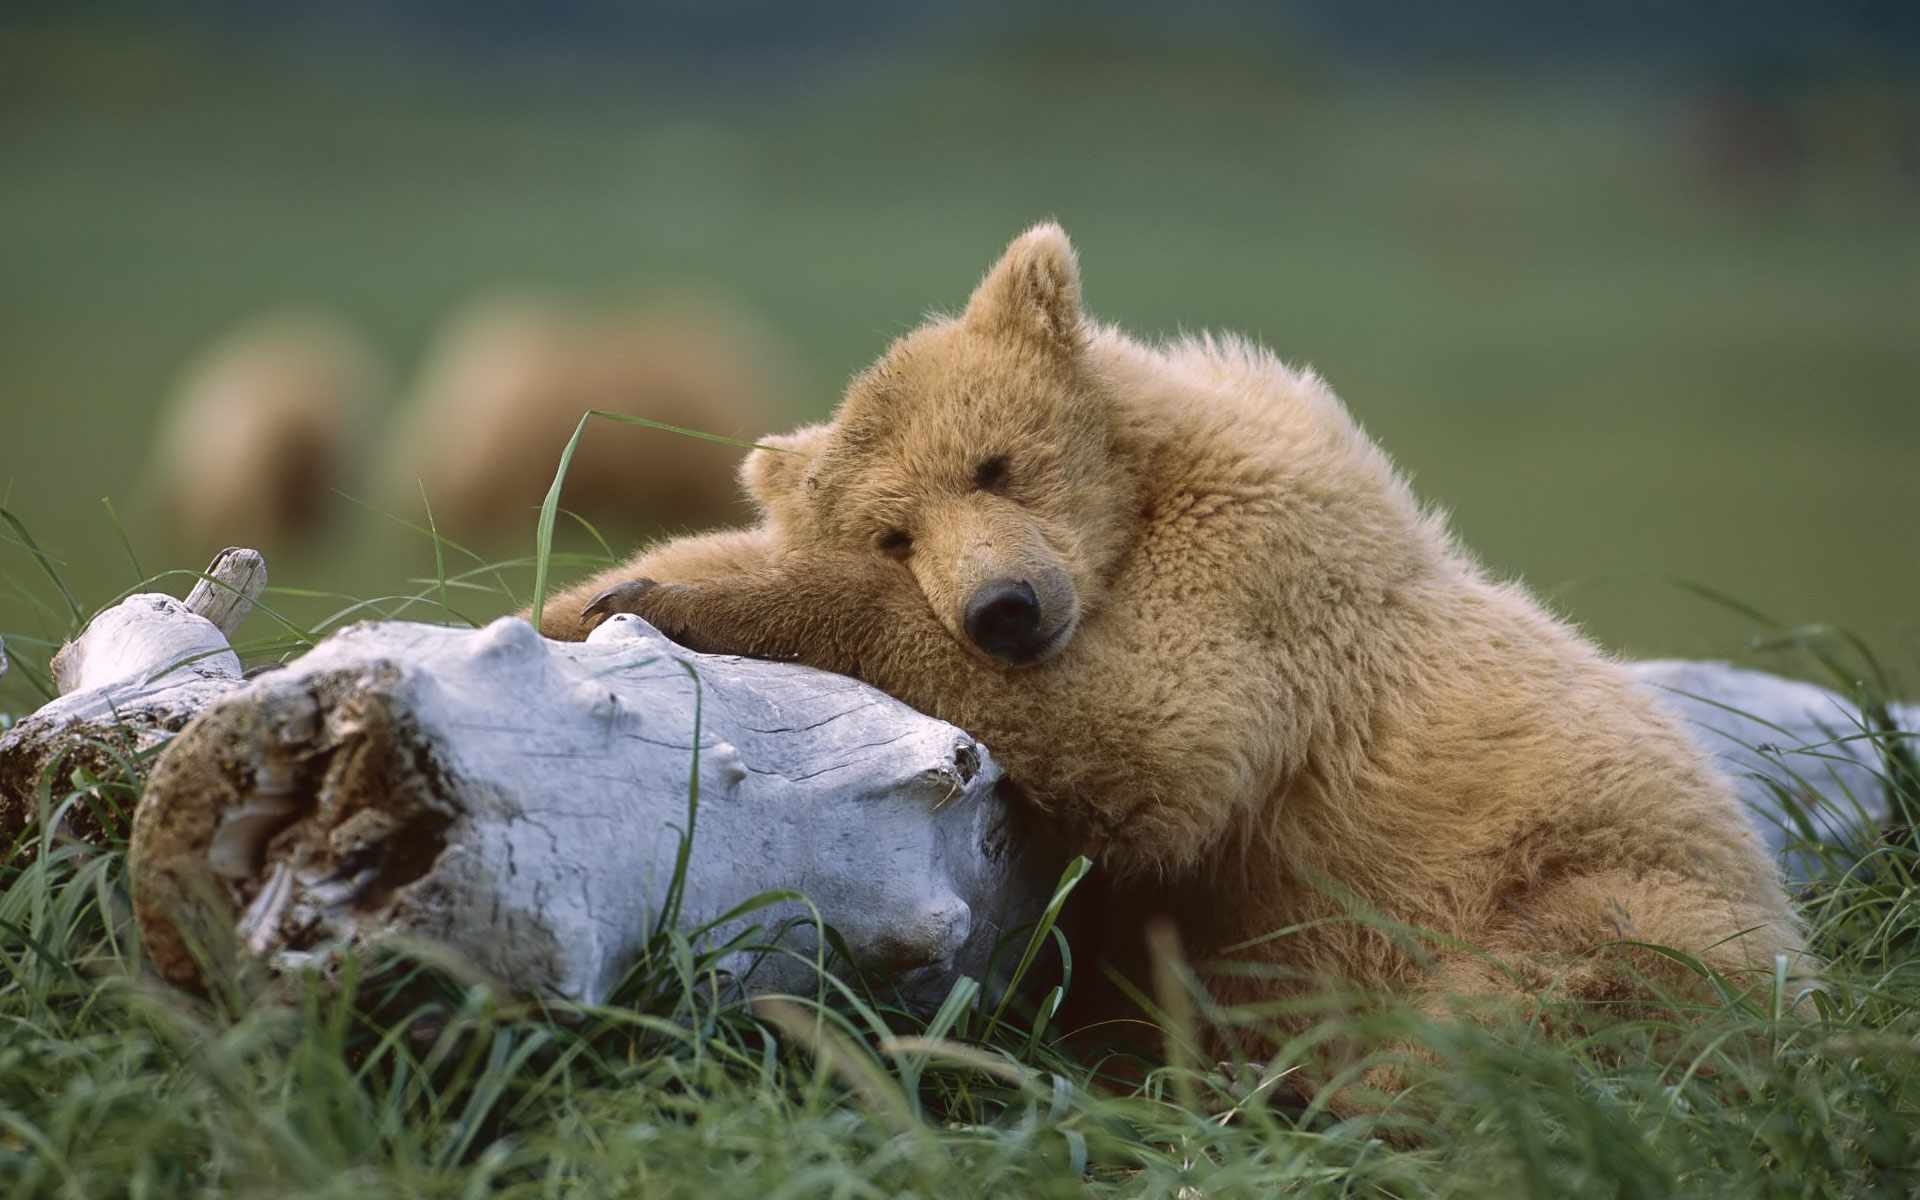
x=1005 y=620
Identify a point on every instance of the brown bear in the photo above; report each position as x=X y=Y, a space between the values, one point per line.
x=509 y=379
x=1209 y=630
x=260 y=430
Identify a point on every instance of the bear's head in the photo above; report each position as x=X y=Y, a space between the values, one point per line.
x=977 y=455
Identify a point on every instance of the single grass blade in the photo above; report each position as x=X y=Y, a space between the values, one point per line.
x=550 y=507
x=439 y=555
x=126 y=543
x=1069 y=879
x=625 y=419
x=46 y=564
x=543 y=534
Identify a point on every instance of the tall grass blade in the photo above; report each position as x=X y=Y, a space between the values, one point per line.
x=543 y=531
x=126 y=544
x=626 y=419
x=46 y=565
x=1043 y=930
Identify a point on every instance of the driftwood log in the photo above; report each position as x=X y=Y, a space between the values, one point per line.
x=528 y=803
x=1783 y=740
x=523 y=802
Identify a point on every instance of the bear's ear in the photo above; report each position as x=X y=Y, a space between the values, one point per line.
x=1034 y=291
x=780 y=469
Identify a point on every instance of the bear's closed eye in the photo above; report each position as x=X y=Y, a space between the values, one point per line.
x=895 y=543
x=991 y=474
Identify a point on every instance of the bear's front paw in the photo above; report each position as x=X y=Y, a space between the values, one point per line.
x=640 y=597
x=620 y=598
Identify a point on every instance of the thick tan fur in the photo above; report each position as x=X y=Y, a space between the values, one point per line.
x=1281 y=691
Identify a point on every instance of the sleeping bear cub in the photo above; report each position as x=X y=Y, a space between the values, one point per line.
x=1208 y=629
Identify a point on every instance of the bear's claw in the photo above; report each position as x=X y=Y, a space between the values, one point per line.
x=620 y=598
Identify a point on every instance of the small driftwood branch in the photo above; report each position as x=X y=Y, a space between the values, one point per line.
x=134 y=678
x=225 y=593
x=525 y=802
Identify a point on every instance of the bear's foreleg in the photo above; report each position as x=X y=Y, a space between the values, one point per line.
x=824 y=614
x=721 y=555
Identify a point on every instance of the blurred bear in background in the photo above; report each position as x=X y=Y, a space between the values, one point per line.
x=259 y=430
x=508 y=379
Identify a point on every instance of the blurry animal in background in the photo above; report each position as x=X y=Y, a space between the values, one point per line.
x=260 y=429
x=508 y=379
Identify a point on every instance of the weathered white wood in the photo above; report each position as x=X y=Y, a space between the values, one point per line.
x=523 y=801
x=226 y=592
x=145 y=641
x=1778 y=736
x=138 y=673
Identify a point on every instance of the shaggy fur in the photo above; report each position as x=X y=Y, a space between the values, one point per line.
x=1273 y=689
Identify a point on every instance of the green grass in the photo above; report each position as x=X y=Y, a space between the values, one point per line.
x=405 y=1074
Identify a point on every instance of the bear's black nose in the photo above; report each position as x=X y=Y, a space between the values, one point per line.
x=1003 y=619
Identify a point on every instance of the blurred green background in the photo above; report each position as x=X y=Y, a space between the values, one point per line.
x=1633 y=290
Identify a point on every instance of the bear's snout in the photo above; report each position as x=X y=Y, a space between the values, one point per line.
x=1004 y=619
